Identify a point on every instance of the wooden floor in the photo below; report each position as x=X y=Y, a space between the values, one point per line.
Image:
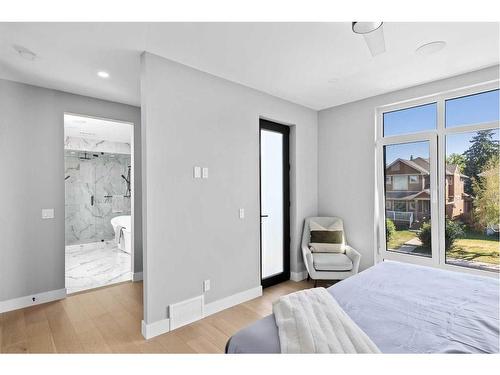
x=108 y=320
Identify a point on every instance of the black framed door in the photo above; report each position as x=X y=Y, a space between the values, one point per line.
x=274 y=170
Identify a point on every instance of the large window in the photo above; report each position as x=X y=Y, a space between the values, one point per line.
x=438 y=180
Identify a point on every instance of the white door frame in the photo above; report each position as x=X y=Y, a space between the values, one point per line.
x=132 y=185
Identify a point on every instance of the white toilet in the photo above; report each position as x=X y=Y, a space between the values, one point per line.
x=125 y=223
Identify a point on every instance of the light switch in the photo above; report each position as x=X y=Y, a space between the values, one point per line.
x=47 y=213
x=205 y=172
x=206 y=285
x=197 y=172
x=242 y=213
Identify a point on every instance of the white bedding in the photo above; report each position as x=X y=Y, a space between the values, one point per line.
x=405 y=308
x=311 y=321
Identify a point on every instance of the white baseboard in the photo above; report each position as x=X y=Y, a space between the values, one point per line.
x=163 y=326
x=298 y=276
x=233 y=300
x=137 y=276
x=32 y=300
x=155 y=329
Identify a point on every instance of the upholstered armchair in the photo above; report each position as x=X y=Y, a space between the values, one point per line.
x=327 y=265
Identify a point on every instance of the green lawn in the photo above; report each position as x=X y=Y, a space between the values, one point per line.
x=476 y=247
x=473 y=247
x=399 y=238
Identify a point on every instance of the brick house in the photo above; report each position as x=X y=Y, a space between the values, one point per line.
x=407 y=184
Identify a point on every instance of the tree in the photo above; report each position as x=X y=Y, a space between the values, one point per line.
x=483 y=148
x=390 y=229
x=487 y=192
x=457 y=159
x=453 y=231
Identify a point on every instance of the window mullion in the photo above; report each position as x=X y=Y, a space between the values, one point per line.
x=441 y=176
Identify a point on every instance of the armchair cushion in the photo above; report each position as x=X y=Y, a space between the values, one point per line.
x=331 y=262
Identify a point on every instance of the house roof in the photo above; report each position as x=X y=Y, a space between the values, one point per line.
x=423 y=166
x=407 y=195
x=410 y=163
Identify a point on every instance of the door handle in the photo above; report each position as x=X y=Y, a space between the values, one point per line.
x=91 y=200
x=264 y=215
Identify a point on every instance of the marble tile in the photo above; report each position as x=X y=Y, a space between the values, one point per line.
x=100 y=177
x=96 y=264
x=96 y=145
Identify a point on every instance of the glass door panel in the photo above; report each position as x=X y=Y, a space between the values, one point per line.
x=407 y=197
x=272 y=203
x=274 y=196
x=80 y=186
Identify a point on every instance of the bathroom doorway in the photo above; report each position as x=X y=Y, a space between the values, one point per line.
x=98 y=160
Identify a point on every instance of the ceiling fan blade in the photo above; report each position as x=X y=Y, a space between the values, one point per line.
x=375 y=41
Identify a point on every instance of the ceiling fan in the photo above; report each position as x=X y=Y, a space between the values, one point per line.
x=373 y=32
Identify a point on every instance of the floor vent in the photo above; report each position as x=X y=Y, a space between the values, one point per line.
x=185 y=312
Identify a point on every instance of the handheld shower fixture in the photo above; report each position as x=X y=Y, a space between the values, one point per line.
x=127 y=180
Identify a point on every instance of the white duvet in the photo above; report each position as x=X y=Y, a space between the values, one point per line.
x=311 y=321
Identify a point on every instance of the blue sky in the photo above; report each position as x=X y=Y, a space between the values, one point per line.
x=472 y=109
x=405 y=150
x=455 y=143
x=411 y=120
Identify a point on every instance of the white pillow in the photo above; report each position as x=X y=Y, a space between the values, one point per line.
x=315 y=226
x=327 y=247
x=336 y=225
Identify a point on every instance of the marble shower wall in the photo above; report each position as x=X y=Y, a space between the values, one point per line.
x=87 y=144
x=99 y=176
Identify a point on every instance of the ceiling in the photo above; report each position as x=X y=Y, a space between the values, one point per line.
x=95 y=128
x=318 y=65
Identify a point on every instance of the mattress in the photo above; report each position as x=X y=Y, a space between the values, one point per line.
x=405 y=308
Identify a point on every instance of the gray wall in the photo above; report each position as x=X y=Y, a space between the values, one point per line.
x=346 y=146
x=32 y=128
x=191 y=228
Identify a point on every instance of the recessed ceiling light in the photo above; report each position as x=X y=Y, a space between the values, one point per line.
x=430 y=48
x=24 y=52
x=365 y=27
x=103 y=74
x=333 y=80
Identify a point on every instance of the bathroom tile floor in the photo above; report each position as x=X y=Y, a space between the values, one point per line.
x=94 y=265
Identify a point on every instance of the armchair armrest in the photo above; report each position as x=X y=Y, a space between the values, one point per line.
x=355 y=258
x=308 y=258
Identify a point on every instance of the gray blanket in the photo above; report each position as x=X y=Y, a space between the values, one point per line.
x=405 y=308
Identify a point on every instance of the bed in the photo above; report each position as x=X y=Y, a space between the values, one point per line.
x=405 y=308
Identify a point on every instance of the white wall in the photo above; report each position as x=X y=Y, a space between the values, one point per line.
x=346 y=144
x=32 y=178
x=191 y=227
